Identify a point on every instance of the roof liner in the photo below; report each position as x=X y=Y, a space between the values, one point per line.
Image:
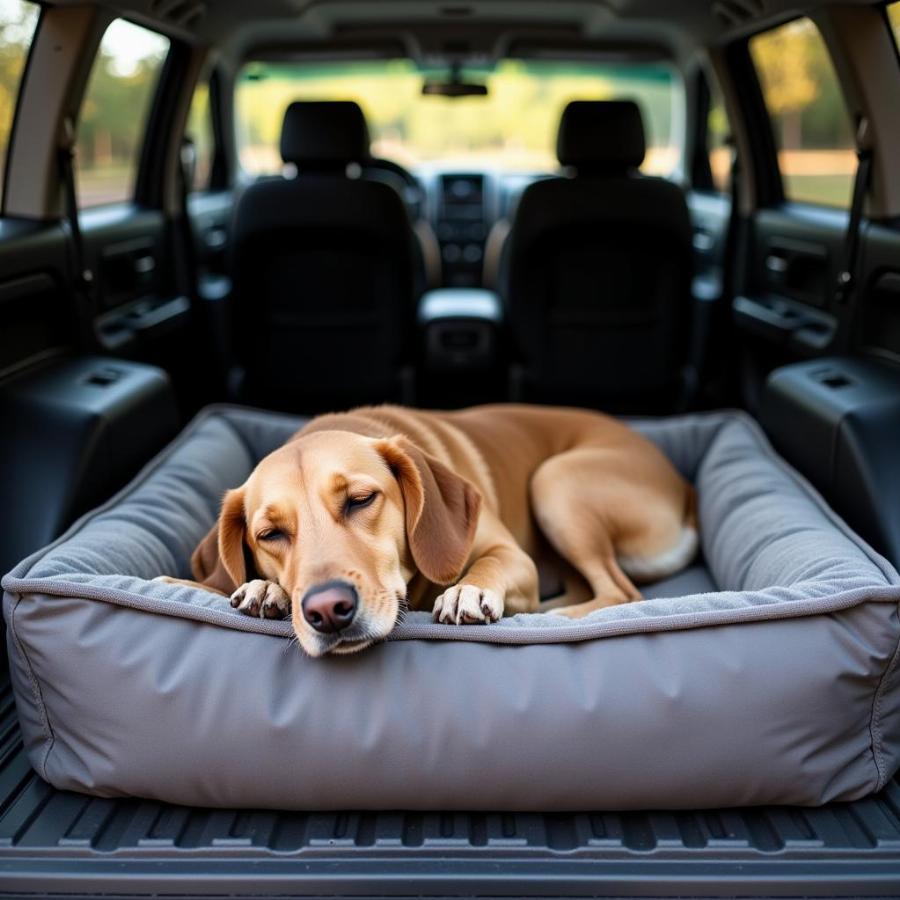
x=431 y=29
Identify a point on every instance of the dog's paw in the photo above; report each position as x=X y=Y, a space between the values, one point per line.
x=264 y=599
x=466 y=604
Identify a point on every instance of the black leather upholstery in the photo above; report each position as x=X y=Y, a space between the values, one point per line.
x=597 y=273
x=326 y=132
x=601 y=135
x=324 y=273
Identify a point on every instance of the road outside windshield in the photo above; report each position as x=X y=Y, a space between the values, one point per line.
x=513 y=128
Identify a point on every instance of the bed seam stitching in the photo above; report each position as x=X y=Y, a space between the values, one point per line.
x=27 y=564
x=208 y=413
x=875 y=733
x=813 y=494
x=50 y=737
x=237 y=434
x=220 y=412
x=220 y=618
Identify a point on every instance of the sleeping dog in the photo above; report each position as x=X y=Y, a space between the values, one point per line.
x=364 y=514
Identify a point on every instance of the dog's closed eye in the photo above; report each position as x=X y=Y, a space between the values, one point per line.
x=360 y=502
x=273 y=534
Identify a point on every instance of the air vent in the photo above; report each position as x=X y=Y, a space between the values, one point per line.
x=737 y=12
x=455 y=12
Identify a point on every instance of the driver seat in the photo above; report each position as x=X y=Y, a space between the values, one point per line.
x=324 y=269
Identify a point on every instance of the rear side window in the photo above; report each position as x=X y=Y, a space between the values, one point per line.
x=114 y=114
x=893 y=12
x=809 y=118
x=18 y=20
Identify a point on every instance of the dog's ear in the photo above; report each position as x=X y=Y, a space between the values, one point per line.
x=441 y=510
x=219 y=562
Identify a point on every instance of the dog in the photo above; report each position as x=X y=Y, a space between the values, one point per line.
x=365 y=514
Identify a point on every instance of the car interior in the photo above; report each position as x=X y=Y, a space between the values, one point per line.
x=643 y=208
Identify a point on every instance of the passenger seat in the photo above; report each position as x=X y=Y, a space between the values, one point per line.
x=324 y=268
x=597 y=272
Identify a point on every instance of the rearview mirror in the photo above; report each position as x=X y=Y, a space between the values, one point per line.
x=454 y=88
x=453 y=85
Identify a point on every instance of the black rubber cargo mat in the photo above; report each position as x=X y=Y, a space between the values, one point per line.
x=64 y=843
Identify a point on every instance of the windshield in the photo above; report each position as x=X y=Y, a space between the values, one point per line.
x=513 y=128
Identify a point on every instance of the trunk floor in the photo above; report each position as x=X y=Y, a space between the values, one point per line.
x=58 y=842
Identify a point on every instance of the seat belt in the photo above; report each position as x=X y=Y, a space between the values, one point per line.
x=847 y=274
x=83 y=277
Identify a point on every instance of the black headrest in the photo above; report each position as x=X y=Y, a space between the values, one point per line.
x=601 y=134
x=324 y=131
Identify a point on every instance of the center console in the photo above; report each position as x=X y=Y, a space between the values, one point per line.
x=464 y=210
x=461 y=350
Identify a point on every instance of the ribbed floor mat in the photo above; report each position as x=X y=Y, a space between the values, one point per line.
x=52 y=841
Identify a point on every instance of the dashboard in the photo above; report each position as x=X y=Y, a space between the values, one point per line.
x=462 y=207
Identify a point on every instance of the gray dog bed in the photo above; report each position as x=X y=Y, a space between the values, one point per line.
x=768 y=674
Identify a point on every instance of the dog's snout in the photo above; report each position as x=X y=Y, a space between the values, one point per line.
x=331 y=606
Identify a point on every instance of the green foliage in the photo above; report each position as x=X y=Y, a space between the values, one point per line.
x=113 y=115
x=115 y=108
x=800 y=87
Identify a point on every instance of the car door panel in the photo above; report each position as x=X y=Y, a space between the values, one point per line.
x=709 y=214
x=211 y=213
x=35 y=305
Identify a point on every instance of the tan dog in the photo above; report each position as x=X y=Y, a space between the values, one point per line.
x=362 y=514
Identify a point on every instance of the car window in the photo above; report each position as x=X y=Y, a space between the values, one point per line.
x=893 y=13
x=114 y=114
x=812 y=129
x=18 y=20
x=512 y=128
x=200 y=132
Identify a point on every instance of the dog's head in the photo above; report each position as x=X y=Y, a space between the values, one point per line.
x=343 y=522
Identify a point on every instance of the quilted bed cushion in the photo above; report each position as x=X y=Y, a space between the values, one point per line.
x=766 y=674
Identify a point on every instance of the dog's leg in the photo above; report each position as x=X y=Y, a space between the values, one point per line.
x=502 y=577
x=597 y=514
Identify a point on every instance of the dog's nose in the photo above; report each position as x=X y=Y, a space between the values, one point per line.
x=331 y=606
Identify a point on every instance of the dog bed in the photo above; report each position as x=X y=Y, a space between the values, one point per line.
x=766 y=673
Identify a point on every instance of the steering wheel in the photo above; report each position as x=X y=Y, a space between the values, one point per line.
x=401 y=180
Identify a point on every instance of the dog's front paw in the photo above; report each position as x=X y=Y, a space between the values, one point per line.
x=466 y=604
x=265 y=599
